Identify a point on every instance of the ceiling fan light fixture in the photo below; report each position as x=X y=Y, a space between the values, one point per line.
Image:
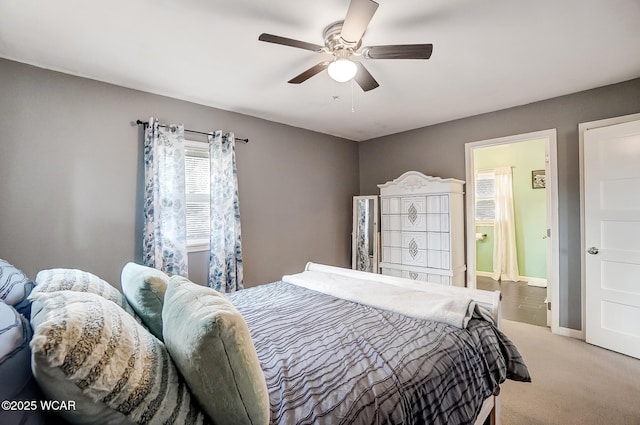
x=342 y=70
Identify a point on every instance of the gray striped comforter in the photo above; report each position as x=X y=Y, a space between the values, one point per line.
x=331 y=361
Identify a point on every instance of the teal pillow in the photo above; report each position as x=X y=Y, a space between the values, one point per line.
x=88 y=350
x=209 y=341
x=144 y=288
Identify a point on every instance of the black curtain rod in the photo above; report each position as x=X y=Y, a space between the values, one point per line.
x=146 y=123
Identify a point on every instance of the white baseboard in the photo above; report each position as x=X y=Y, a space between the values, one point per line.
x=531 y=281
x=571 y=333
x=535 y=281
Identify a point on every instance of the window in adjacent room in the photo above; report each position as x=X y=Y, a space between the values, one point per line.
x=485 y=197
x=197 y=177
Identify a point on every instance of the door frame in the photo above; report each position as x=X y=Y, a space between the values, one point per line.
x=553 y=271
x=582 y=128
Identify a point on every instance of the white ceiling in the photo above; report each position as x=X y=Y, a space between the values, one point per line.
x=488 y=54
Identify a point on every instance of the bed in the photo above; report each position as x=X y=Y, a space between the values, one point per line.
x=339 y=346
x=323 y=346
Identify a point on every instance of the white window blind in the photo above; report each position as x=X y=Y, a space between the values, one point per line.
x=197 y=177
x=485 y=196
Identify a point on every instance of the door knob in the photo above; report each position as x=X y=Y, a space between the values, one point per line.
x=593 y=250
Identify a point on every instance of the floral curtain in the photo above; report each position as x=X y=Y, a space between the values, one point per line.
x=505 y=255
x=165 y=228
x=225 y=260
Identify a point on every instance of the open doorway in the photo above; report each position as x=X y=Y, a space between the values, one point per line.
x=512 y=221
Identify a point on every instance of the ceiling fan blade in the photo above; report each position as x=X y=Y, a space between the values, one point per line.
x=309 y=73
x=358 y=17
x=270 y=38
x=400 y=51
x=364 y=79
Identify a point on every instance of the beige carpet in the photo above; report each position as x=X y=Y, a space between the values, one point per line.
x=573 y=382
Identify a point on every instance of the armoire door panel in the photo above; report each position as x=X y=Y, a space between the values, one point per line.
x=390 y=205
x=391 y=238
x=391 y=222
x=434 y=240
x=391 y=254
x=434 y=223
x=434 y=259
x=444 y=222
x=444 y=204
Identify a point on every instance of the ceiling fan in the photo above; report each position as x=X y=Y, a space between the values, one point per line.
x=343 y=40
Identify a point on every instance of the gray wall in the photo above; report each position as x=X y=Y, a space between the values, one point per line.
x=71 y=176
x=438 y=150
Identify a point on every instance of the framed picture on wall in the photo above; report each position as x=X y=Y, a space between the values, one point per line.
x=538 y=179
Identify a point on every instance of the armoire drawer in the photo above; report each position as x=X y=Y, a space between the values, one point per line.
x=413 y=205
x=433 y=259
x=417 y=239
x=427 y=277
x=414 y=275
x=414 y=223
x=414 y=257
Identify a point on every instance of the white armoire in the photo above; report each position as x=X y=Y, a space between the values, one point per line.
x=422 y=227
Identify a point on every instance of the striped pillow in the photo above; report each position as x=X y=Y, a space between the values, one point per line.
x=87 y=349
x=16 y=380
x=15 y=286
x=53 y=280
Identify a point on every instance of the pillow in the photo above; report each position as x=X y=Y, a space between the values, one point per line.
x=53 y=280
x=144 y=289
x=87 y=349
x=16 y=380
x=15 y=287
x=210 y=343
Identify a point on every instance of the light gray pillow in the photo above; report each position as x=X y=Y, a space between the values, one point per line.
x=210 y=343
x=15 y=287
x=144 y=289
x=87 y=349
x=53 y=280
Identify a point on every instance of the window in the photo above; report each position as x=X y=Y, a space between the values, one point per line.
x=485 y=197
x=197 y=177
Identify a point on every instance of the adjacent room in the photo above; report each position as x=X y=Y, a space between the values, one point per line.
x=213 y=210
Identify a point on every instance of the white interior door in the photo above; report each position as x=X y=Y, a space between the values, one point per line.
x=612 y=237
